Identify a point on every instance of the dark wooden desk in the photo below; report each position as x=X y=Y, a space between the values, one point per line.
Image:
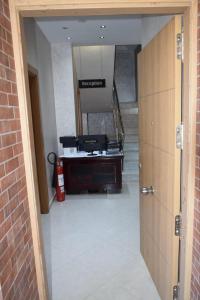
x=93 y=174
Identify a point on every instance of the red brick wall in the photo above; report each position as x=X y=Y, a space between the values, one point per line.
x=17 y=266
x=195 y=292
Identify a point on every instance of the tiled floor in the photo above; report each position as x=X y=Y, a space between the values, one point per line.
x=94 y=248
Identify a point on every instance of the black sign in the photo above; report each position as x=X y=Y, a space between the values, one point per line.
x=92 y=83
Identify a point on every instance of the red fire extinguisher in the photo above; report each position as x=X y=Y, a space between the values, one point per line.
x=60 y=190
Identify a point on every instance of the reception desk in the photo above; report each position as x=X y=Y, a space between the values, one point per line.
x=101 y=173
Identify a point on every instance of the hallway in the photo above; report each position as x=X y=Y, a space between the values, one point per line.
x=95 y=248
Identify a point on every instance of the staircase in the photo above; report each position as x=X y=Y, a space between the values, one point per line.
x=129 y=113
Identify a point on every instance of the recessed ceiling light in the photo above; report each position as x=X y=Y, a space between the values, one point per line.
x=69 y=38
x=101 y=37
x=65 y=28
x=103 y=26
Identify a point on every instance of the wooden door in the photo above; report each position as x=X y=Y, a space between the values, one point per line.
x=159 y=114
x=38 y=141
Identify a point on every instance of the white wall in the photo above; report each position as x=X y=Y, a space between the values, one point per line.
x=39 y=56
x=95 y=62
x=63 y=90
x=30 y=38
x=125 y=68
x=101 y=123
x=151 y=26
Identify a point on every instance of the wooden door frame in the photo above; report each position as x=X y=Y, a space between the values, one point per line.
x=39 y=144
x=36 y=8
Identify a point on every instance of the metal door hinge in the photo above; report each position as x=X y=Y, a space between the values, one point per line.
x=178 y=225
x=179 y=136
x=180 y=45
x=175 y=292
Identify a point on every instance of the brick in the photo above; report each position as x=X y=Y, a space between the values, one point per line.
x=2 y=217
x=5 y=22
x=19 y=248
x=2 y=171
x=15 y=125
x=19 y=137
x=4 y=59
x=6 y=113
x=6 y=272
x=14 y=88
x=6 y=154
x=7 y=48
x=3 y=99
x=10 y=75
x=8 y=181
x=6 y=11
x=2 y=33
x=17 y=149
x=16 y=112
x=5 y=227
x=14 y=189
x=9 y=139
x=11 y=206
x=3 y=245
x=15 y=228
x=2 y=72
x=1 y=45
x=20 y=172
x=11 y=165
x=20 y=235
x=13 y=100
x=5 y=86
x=21 y=159
x=4 y=126
x=3 y=199
x=17 y=213
x=11 y=63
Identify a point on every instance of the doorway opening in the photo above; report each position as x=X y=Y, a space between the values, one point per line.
x=117 y=67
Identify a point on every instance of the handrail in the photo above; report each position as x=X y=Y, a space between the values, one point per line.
x=117 y=116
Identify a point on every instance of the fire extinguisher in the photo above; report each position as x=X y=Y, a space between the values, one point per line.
x=60 y=190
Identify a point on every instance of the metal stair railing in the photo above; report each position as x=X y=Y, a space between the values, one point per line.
x=119 y=127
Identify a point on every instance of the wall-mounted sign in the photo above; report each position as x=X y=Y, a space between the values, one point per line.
x=92 y=83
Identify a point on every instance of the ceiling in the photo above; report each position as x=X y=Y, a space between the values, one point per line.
x=87 y=30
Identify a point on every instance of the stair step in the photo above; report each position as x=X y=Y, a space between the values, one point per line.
x=129 y=111
x=131 y=131
x=131 y=147
x=128 y=104
x=131 y=167
x=132 y=156
x=131 y=138
x=130 y=121
x=129 y=163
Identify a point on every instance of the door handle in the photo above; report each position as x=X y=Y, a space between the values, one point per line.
x=147 y=190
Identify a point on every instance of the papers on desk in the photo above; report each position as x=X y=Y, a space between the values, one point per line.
x=86 y=154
